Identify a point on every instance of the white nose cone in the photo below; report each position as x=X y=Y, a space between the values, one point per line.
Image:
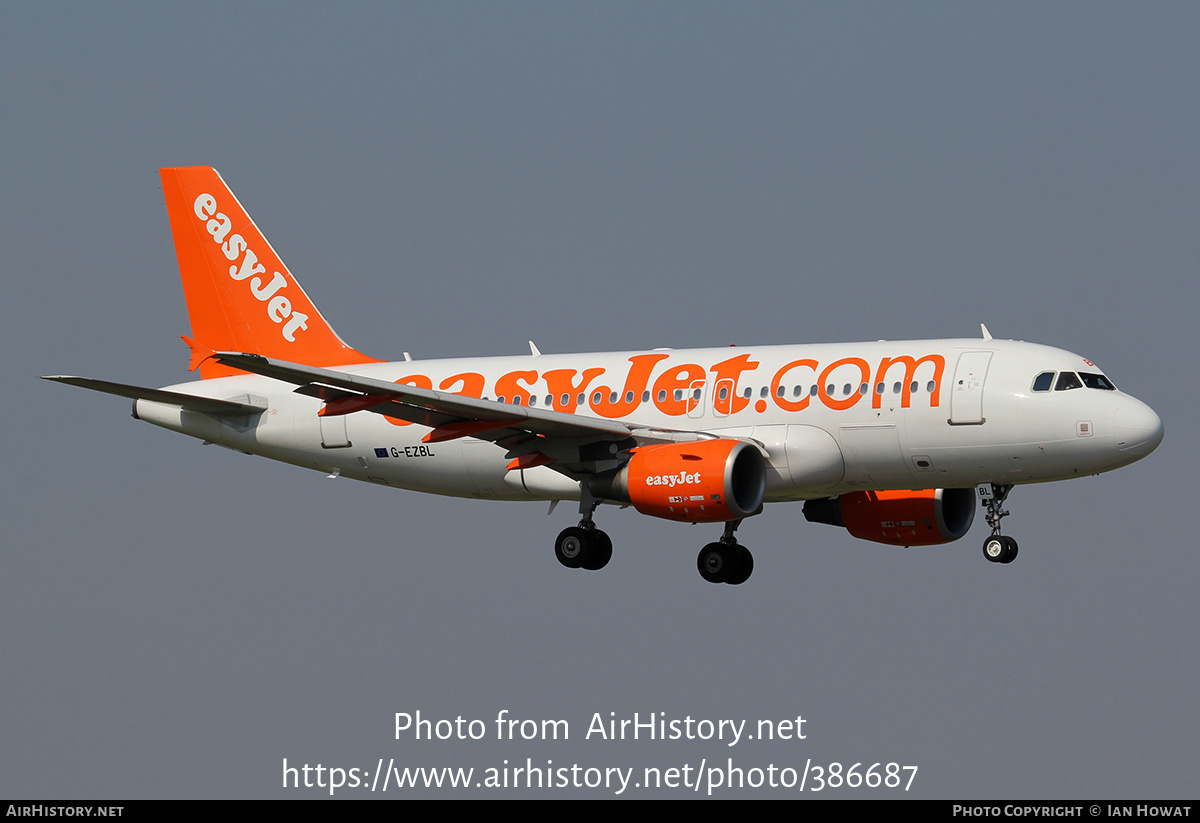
x=1139 y=430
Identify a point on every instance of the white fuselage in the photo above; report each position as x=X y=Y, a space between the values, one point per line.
x=831 y=418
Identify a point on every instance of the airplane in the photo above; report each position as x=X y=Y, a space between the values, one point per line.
x=890 y=440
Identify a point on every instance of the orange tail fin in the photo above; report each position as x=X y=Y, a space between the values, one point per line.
x=240 y=295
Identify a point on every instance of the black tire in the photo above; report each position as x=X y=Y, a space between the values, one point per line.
x=1010 y=550
x=574 y=547
x=601 y=552
x=716 y=562
x=743 y=566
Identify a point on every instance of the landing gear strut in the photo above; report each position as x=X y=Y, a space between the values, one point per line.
x=726 y=561
x=998 y=548
x=584 y=546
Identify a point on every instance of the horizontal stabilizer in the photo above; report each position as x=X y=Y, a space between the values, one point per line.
x=206 y=405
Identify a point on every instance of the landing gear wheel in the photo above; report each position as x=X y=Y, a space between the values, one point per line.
x=574 y=547
x=1000 y=549
x=1010 y=550
x=995 y=548
x=715 y=562
x=600 y=553
x=725 y=563
x=744 y=566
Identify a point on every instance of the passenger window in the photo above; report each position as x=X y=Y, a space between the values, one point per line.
x=1097 y=381
x=1043 y=381
x=796 y=392
x=1067 y=380
x=662 y=395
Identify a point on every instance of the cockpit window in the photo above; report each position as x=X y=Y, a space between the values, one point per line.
x=1097 y=381
x=1043 y=381
x=1067 y=380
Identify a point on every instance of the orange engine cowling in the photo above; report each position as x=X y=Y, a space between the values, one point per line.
x=706 y=481
x=899 y=518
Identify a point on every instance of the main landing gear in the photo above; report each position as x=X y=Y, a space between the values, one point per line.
x=726 y=561
x=998 y=548
x=583 y=547
x=586 y=547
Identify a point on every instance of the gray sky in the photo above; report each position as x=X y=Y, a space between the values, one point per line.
x=454 y=179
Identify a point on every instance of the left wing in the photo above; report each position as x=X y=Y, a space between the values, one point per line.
x=573 y=444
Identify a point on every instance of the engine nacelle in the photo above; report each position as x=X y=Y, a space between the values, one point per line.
x=899 y=518
x=706 y=481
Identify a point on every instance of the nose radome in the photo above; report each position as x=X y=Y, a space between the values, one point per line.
x=1138 y=428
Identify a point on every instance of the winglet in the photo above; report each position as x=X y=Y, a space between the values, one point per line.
x=987 y=335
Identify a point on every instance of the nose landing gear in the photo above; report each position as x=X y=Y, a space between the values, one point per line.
x=1000 y=548
x=997 y=548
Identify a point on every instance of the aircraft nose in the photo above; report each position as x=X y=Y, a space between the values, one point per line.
x=1139 y=430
